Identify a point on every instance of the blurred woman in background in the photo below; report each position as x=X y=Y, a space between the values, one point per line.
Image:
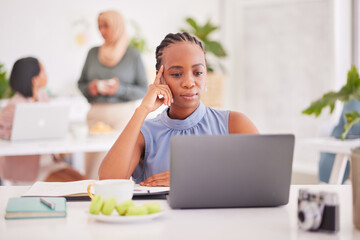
x=112 y=78
x=28 y=79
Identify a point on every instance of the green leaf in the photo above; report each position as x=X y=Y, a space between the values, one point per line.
x=138 y=43
x=215 y=48
x=208 y=28
x=138 y=40
x=350 y=90
x=5 y=89
x=192 y=23
x=203 y=32
x=352 y=119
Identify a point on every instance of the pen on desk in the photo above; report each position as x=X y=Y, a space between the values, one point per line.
x=48 y=203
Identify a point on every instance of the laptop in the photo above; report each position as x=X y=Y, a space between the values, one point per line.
x=230 y=170
x=35 y=121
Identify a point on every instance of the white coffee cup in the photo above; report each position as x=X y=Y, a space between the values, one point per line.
x=105 y=84
x=80 y=131
x=120 y=189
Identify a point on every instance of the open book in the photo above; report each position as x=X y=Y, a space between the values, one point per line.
x=77 y=190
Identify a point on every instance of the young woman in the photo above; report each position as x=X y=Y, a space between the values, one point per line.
x=142 y=150
x=112 y=78
x=27 y=79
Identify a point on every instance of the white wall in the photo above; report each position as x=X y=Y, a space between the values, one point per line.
x=282 y=58
x=48 y=30
x=283 y=54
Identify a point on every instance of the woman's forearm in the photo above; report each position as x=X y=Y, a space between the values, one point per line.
x=125 y=154
x=125 y=150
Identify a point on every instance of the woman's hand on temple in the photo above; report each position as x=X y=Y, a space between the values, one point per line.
x=160 y=179
x=152 y=101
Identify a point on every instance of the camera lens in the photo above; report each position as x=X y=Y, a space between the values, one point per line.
x=301 y=216
x=309 y=215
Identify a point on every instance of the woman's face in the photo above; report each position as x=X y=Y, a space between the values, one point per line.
x=105 y=29
x=185 y=73
x=41 y=78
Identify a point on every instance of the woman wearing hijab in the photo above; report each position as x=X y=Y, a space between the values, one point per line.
x=112 y=78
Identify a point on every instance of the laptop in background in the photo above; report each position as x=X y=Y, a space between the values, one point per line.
x=35 y=121
x=230 y=170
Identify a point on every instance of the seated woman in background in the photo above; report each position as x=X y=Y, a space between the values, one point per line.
x=28 y=79
x=112 y=78
x=142 y=149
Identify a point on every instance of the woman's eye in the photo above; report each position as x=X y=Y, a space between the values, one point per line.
x=198 y=73
x=176 y=74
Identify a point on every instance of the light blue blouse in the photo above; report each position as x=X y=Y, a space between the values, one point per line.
x=158 y=131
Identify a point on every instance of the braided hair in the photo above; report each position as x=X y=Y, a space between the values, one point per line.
x=172 y=38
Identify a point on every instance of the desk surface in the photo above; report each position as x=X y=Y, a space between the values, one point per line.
x=97 y=143
x=342 y=150
x=331 y=145
x=234 y=223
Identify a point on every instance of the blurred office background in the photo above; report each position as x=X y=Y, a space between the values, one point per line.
x=282 y=54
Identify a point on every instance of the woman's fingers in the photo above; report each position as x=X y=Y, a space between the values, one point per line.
x=158 y=93
x=166 y=93
x=160 y=179
x=157 y=82
x=92 y=88
x=159 y=75
x=163 y=93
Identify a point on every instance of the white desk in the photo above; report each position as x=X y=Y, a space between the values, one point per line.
x=342 y=149
x=236 y=223
x=98 y=143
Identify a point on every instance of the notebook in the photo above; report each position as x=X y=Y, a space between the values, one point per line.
x=34 y=121
x=77 y=190
x=230 y=171
x=32 y=207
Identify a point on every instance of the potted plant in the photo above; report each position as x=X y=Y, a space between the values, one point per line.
x=214 y=51
x=138 y=40
x=351 y=90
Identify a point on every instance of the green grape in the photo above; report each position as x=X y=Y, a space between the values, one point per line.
x=109 y=206
x=136 y=210
x=96 y=204
x=153 y=207
x=123 y=207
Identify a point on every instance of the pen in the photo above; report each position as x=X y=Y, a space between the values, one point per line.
x=48 y=203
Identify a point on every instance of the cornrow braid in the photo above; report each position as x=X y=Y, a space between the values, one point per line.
x=172 y=38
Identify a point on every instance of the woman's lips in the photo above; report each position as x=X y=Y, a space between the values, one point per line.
x=189 y=96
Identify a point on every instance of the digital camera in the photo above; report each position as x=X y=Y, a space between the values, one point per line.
x=318 y=212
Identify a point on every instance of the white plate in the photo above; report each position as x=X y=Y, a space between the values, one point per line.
x=100 y=133
x=97 y=135
x=115 y=217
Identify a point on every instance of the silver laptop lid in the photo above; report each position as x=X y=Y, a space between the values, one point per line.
x=230 y=171
x=33 y=121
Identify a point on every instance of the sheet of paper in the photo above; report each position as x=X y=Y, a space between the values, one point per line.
x=79 y=188
x=142 y=190
x=57 y=189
